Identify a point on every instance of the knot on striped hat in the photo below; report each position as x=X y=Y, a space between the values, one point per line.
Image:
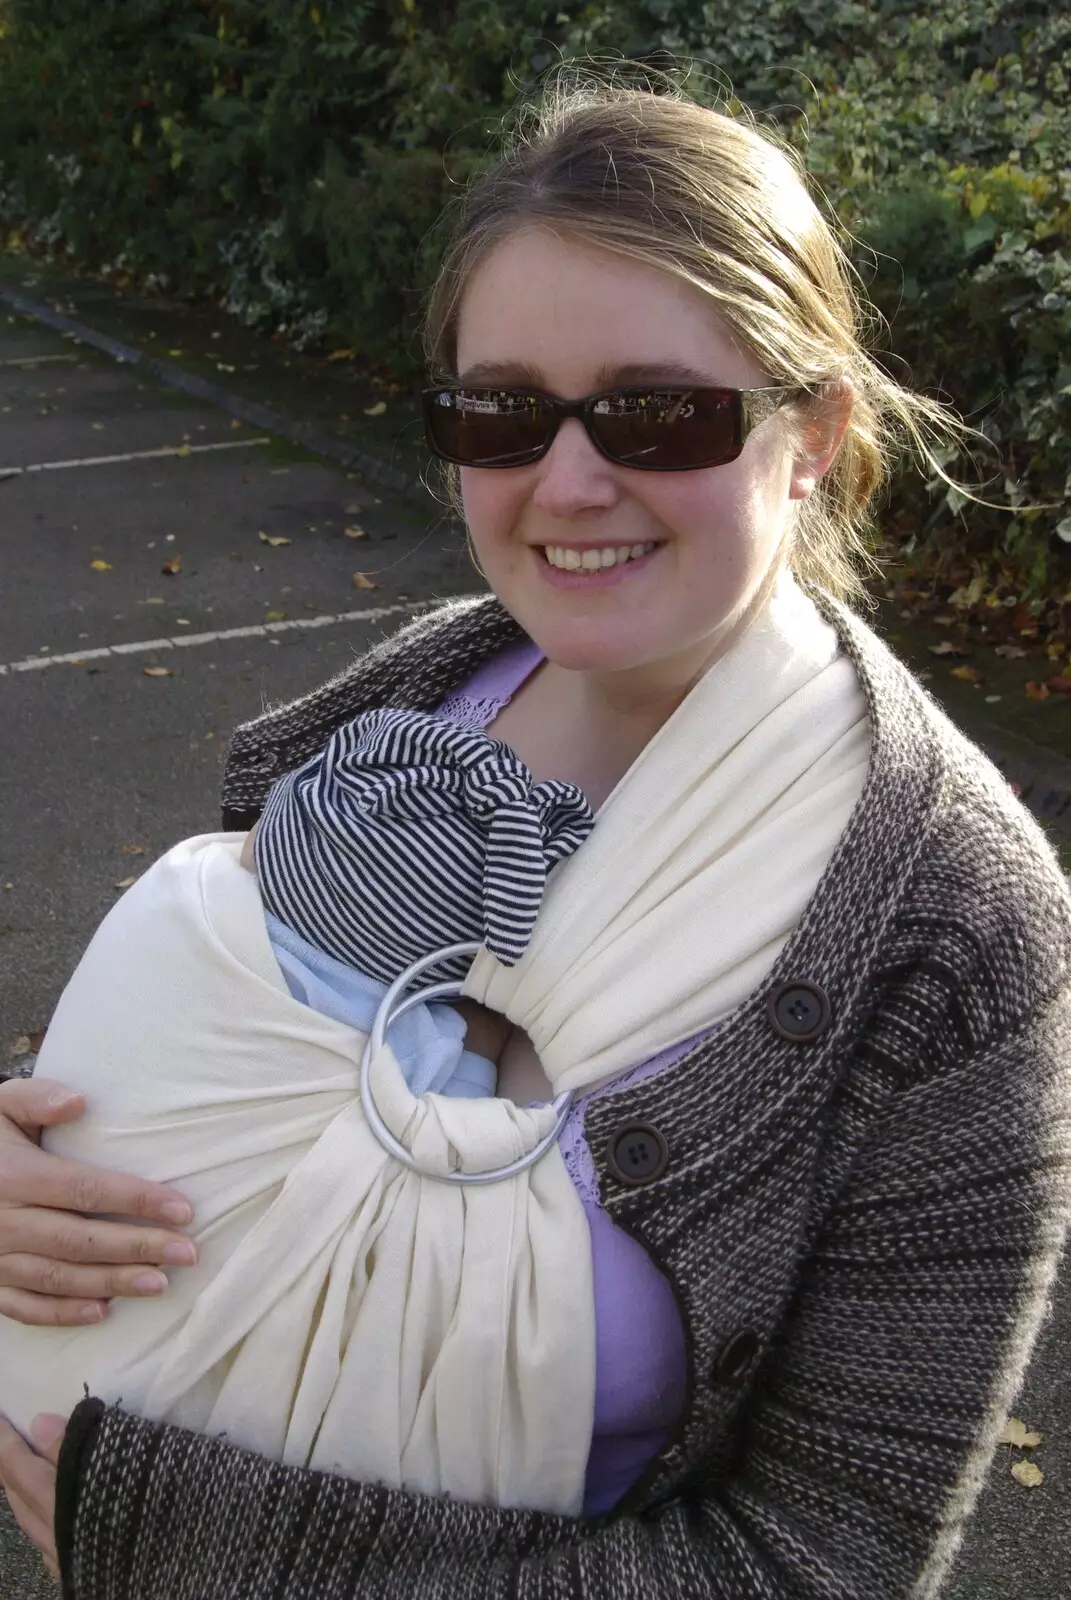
x=407 y=834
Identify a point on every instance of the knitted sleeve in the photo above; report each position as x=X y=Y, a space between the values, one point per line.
x=860 y=1457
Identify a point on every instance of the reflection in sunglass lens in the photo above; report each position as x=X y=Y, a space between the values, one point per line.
x=665 y=428
x=489 y=427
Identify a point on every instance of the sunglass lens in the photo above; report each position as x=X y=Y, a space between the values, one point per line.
x=487 y=427
x=663 y=430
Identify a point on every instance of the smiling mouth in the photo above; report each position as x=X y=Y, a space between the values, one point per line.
x=568 y=559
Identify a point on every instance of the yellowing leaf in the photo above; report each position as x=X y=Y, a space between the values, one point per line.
x=1018 y=1434
x=172 y=567
x=377 y=410
x=947 y=648
x=174 y=352
x=101 y=566
x=360 y=581
x=342 y=355
x=274 y=616
x=1037 y=691
x=133 y=849
x=1027 y=1474
x=157 y=672
x=183 y=450
x=967 y=674
x=124 y=883
x=355 y=533
x=275 y=540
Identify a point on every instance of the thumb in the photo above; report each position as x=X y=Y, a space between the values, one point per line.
x=47 y=1431
x=32 y=1103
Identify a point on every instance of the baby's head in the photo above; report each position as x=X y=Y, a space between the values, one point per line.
x=408 y=834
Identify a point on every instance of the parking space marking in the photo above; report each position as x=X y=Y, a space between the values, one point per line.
x=257 y=630
x=35 y=361
x=134 y=455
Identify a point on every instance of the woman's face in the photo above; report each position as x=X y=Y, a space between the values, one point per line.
x=571 y=319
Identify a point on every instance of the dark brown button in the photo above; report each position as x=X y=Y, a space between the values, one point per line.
x=737 y=1357
x=637 y=1153
x=799 y=1011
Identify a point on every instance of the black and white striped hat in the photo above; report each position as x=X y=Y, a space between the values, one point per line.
x=407 y=834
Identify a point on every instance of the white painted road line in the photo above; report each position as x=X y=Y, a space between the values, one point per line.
x=35 y=361
x=184 y=641
x=133 y=455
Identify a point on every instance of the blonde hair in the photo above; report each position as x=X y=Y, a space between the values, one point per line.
x=708 y=197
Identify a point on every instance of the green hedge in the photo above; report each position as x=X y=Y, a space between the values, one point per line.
x=289 y=159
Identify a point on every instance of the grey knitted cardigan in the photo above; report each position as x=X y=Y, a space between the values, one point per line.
x=861 y=1231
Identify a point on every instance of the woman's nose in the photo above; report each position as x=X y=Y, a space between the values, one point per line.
x=573 y=476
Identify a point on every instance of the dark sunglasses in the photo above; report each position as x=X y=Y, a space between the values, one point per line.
x=651 y=430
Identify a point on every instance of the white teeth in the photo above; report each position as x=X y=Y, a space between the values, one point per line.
x=594 y=560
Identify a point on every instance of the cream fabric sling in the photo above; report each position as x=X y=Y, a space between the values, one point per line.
x=349 y=1314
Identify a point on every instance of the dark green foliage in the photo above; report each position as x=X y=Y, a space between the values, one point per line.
x=290 y=158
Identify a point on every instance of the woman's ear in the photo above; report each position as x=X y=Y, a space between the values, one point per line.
x=821 y=435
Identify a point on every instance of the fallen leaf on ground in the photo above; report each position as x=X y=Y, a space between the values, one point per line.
x=1010 y=652
x=1027 y=1474
x=183 y=450
x=967 y=674
x=1018 y=1434
x=1037 y=691
x=947 y=648
x=354 y=533
x=342 y=355
x=124 y=883
x=37 y=1038
x=157 y=672
x=1059 y=684
x=224 y=366
x=377 y=410
x=274 y=616
x=133 y=849
x=98 y=427
x=275 y=540
x=174 y=352
x=354 y=508
x=101 y=566
x=360 y=581
x=236 y=422
x=234 y=556
x=21 y=1046
x=172 y=566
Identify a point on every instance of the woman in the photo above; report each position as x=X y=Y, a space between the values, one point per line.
x=827 y=1205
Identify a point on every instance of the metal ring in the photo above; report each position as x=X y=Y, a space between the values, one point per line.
x=388 y=1013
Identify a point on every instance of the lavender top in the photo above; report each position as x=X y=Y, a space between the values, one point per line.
x=639 y=1337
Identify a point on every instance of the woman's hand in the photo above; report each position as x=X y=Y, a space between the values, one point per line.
x=29 y=1481
x=58 y=1266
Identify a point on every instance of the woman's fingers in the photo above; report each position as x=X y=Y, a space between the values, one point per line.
x=38 y=1311
x=53 y=1247
x=31 y=1177
x=36 y=1103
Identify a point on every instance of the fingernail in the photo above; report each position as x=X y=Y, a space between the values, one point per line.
x=180 y=1255
x=61 y=1097
x=91 y=1314
x=149 y=1283
x=176 y=1212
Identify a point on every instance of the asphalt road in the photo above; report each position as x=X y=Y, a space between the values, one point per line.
x=104 y=765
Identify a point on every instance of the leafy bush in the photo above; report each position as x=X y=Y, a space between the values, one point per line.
x=288 y=158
